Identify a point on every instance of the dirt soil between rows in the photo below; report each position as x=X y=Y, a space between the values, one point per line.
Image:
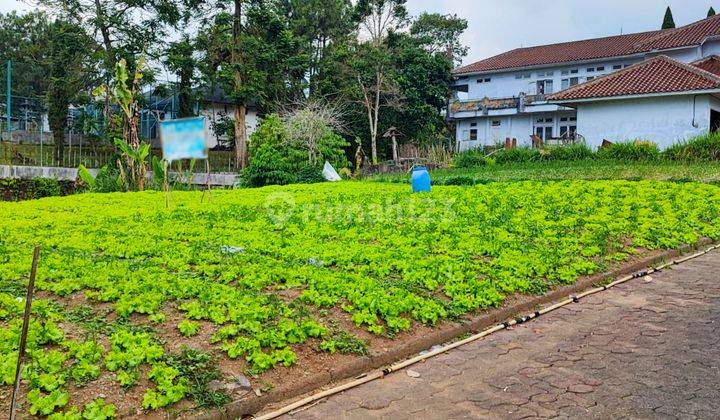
x=316 y=371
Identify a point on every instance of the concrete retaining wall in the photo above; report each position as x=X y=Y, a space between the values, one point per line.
x=70 y=174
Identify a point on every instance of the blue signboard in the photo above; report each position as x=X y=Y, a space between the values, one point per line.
x=184 y=139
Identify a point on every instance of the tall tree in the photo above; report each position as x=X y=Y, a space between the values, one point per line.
x=24 y=42
x=257 y=59
x=320 y=24
x=71 y=76
x=180 y=60
x=372 y=64
x=441 y=33
x=125 y=29
x=668 y=21
x=711 y=12
x=422 y=78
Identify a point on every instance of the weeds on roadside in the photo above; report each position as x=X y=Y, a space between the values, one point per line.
x=200 y=369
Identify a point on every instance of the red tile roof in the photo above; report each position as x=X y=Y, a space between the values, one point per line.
x=613 y=46
x=710 y=64
x=656 y=75
x=692 y=34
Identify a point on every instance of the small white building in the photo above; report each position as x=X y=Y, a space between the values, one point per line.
x=217 y=107
x=520 y=93
x=211 y=102
x=660 y=99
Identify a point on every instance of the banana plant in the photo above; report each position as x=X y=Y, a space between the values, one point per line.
x=137 y=162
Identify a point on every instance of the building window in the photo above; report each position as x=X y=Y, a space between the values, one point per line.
x=601 y=68
x=589 y=78
x=473 y=124
x=544 y=133
x=544 y=87
x=496 y=123
x=485 y=80
x=473 y=134
x=568 y=131
x=591 y=69
x=566 y=83
x=545 y=73
x=617 y=66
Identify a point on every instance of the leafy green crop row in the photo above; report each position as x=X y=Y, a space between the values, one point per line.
x=255 y=268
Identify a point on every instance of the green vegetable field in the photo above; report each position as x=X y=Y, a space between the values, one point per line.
x=258 y=276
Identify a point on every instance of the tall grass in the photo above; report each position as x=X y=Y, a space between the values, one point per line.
x=700 y=149
x=637 y=150
x=469 y=159
x=704 y=148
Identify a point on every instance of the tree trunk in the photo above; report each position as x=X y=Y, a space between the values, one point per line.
x=59 y=145
x=241 y=158
x=241 y=155
x=376 y=117
x=394 y=146
x=109 y=54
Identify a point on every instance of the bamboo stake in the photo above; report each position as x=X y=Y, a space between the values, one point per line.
x=23 y=335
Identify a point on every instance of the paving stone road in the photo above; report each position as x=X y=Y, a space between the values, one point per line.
x=646 y=349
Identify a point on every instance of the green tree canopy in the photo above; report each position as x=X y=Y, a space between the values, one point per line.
x=441 y=33
x=668 y=21
x=72 y=75
x=24 y=41
x=711 y=12
x=180 y=60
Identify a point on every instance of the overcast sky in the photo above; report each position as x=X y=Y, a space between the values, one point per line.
x=495 y=26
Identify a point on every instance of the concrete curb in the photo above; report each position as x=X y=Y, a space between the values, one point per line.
x=415 y=345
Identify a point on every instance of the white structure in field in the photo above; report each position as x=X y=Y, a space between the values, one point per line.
x=661 y=86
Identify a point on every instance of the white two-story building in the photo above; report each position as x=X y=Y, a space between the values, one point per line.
x=661 y=86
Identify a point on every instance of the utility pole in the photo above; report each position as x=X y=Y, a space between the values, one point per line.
x=8 y=100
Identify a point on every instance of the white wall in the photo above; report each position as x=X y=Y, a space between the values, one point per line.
x=663 y=120
x=506 y=85
x=213 y=112
x=519 y=127
x=711 y=48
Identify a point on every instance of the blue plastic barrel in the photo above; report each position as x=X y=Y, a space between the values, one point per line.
x=420 y=179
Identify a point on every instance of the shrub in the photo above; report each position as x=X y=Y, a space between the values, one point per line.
x=637 y=150
x=570 y=152
x=459 y=180
x=469 y=159
x=309 y=174
x=699 y=149
x=12 y=189
x=518 y=155
x=277 y=160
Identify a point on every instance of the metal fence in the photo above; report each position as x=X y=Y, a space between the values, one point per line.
x=12 y=153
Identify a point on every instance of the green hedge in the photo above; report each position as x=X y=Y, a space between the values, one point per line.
x=29 y=189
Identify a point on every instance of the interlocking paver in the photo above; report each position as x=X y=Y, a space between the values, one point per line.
x=646 y=349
